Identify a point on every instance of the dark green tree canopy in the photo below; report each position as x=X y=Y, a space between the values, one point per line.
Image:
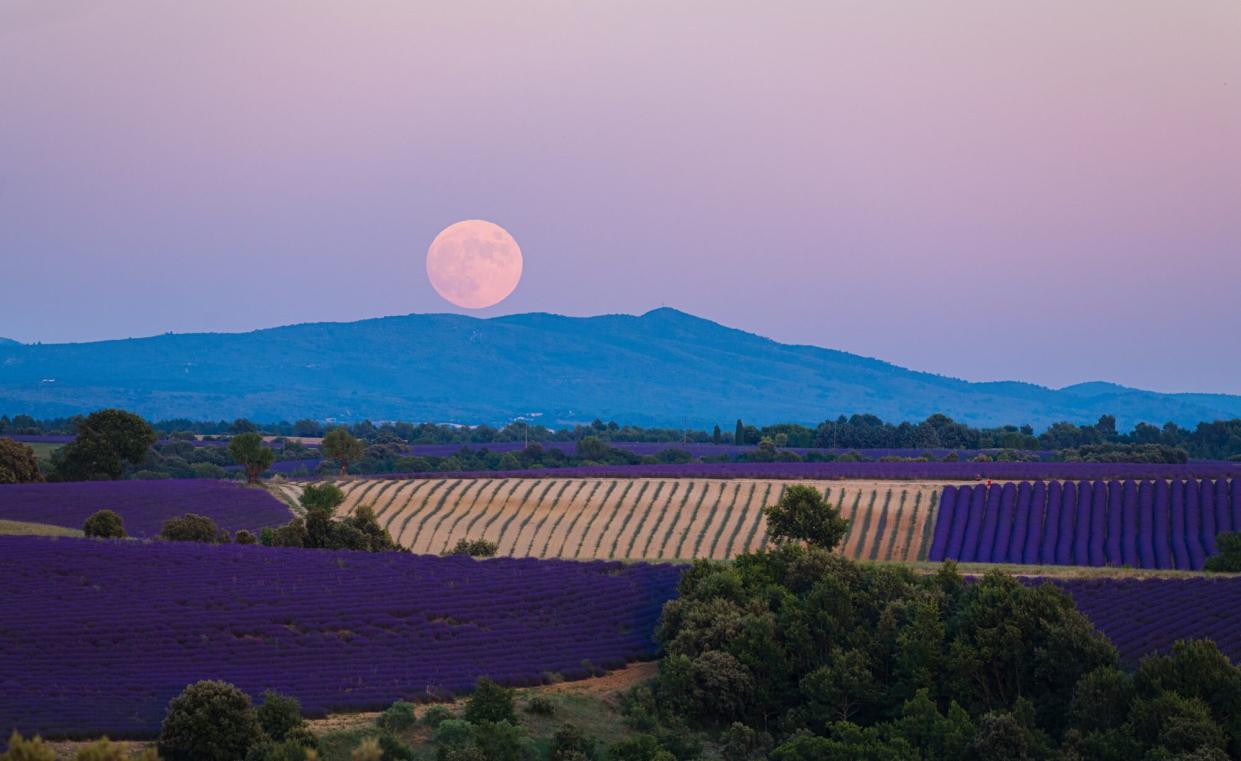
x=209 y=721
x=106 y=442
x=325 y=497
x=803 y=515
x=249 y=451
x=104 y=524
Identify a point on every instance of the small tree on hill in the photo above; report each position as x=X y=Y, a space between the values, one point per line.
x=249 y=451
x=104 y=524
x=739 y=436
x=18 y=464
x=1229 y=558
x=340 y=446
x=278 y=715
x=325 y=497
x=803 y=515
x=490 y=702
x=208 y=721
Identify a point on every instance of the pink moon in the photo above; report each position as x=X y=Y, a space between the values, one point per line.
x=474 y=264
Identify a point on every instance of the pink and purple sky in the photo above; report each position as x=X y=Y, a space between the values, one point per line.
x=1045 y=191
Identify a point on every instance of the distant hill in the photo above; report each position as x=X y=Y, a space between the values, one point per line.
x=662 y=368
x=8 y=342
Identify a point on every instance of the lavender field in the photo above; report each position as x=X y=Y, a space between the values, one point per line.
x=1148 y=524
x=135 y=622
x=143 y=505
x=873 y=471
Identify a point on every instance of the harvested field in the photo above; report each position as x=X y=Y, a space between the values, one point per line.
x=632 y=518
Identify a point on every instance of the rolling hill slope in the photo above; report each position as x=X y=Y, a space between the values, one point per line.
x=661 y=368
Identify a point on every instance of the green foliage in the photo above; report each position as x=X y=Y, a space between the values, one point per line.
x=1229 y=558
x=490 y=702
x=249 y=451
x=569 y=744
x=502 y=741
x=435 y=715
x=397 y=717
x=209 y=721
x=244 y=537
x=479 y=548
x=326 y=497
x=192 y=528
x=742 y=743
x=540 y=706
x=340 y=446
x=452 y=733
x=395 y=750
x=106 y=750
x=18 y=464
x=292 y=534
x=105 y=443
x=104 y=524
x=802 y=514
x=21 y=749
x=278 y=715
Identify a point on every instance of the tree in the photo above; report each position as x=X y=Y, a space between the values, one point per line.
x=739 y=436
x=104 y=524
x=340 y=446
x=208 y=721
x=490 y=702
x=106 y=441
x=592 y=448
x=716 y=436
x=278 y=715
x=249 y=451
x=18 y=464
x=802 y=514
x=190 y=528
x=1229 y=558
x=325 y=497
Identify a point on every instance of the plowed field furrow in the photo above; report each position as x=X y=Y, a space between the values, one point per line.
x=632 y=519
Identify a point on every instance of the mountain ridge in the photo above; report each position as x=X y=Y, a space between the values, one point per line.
x=664 y=367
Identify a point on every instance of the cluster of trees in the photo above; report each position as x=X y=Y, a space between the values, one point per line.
x=795 y=653
x=320 y=530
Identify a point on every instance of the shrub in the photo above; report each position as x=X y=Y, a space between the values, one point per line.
x=367 y=750
x=479 y=548
x=292 y=534
x=208 y=721
x=190 y=528
x=105 y=750
x=569 y=743
x=244 y=537
x=435 y=715
x=288 y=750
x=18 y=464
x=540 y=706
x=453 y=733
x=490 y=702
x=27 y=750
x=397 y=717
x=1229 y=558
x=104 y=524
x=278 y=715
x=395 y=750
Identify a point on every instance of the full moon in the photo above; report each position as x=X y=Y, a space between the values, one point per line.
x=474 y=264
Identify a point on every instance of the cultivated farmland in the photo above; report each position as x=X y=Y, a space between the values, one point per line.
x=633 y=518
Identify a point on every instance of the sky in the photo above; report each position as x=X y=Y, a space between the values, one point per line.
x=1044 y=191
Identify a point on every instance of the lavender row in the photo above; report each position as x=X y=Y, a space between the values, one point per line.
x=135 y=622
x=143 y=505
x=1143 y=616
x=1148 y=524
x=914 y=471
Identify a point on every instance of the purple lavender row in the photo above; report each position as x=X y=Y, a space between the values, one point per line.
x=1158 y=525
x=137 y=621
x=143 y=505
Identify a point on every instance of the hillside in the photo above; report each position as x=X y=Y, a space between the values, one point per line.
x=661 y=368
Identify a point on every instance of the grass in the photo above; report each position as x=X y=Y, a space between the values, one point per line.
x=23 y=528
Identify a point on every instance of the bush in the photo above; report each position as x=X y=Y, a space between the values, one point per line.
x=397 y=717
x=453 y=733
x=367 y=750
x=435 y=715
x=191 y=528
x=540 y=706
x=18 y=464
x=394 y=750
x=569 y=743
x=104 y=524
x=479 y=548
x=245 y=537
x=278 y=715
x=105 y=750
x=28 y=750
x=490 y=702
x=1229 y=558
x=209 y=721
